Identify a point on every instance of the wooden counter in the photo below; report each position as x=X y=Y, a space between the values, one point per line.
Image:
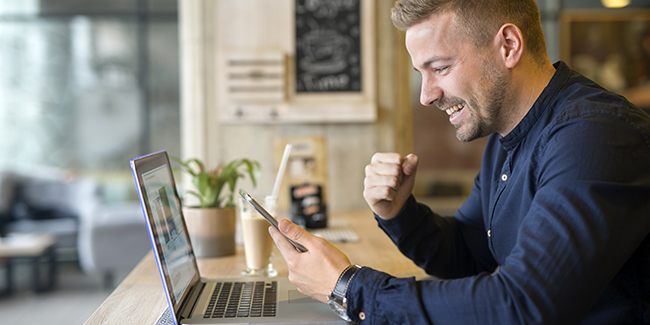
x=140 y=299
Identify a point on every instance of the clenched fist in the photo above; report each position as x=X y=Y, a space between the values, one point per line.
x=389 y=182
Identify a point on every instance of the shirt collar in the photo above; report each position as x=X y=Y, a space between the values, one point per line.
x=542 y=103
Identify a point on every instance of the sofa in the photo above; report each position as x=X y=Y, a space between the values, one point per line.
x=103 y=237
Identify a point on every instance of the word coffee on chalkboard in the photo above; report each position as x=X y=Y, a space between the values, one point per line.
x=328 y=46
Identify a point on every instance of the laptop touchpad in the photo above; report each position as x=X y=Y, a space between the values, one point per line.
x=295 y=297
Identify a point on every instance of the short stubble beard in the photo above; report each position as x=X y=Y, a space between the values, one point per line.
x=492 y=88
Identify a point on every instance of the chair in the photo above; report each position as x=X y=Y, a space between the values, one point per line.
x=115 y=238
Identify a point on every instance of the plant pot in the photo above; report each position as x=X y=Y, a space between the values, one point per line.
x=211 y=230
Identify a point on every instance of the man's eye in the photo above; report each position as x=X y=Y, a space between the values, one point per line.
x=441 y=69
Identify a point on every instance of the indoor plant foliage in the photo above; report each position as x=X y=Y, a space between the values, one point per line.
x=209 y=183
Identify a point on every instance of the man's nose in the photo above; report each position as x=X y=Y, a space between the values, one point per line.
x=430 y=93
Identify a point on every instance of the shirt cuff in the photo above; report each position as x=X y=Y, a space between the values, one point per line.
x=404 y=223
x=361 y=290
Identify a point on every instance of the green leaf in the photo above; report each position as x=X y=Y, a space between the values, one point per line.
x=209 y=187
x=253 y=170
x=201 y=203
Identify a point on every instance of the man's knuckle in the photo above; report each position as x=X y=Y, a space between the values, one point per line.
x=393 y=182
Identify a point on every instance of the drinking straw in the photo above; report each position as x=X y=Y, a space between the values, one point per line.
x=283 y=165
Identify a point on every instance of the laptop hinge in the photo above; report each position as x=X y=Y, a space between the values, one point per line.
x=193 y=299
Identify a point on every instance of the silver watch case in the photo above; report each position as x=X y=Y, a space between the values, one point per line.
x=339 y=305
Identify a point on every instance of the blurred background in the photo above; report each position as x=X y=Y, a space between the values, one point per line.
x=86 y=85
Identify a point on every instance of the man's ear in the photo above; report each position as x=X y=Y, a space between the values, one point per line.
x=511 y=44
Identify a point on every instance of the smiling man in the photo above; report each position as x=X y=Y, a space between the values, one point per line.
x=556 y=229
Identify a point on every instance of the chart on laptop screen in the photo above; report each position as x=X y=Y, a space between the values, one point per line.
x=169 y=231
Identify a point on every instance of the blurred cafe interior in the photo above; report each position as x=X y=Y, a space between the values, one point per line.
x=86 y=85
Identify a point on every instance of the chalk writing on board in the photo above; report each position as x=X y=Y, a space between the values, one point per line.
x=328 y=51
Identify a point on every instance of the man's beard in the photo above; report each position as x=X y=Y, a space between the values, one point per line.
x=492 y=95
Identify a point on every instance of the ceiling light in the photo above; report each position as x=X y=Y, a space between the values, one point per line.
x=615 y=3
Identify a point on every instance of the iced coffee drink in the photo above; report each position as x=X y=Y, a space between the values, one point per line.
x=257 y=240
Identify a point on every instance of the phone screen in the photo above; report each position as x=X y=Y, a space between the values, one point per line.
x=269 y=218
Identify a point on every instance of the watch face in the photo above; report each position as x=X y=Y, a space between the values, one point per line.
x=338 y=309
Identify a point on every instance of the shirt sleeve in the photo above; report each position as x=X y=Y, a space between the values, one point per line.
x=588 y=217
x=445 y=247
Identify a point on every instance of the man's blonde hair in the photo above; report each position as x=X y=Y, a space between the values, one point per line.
x=478 y=21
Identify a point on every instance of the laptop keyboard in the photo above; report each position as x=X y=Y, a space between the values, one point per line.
x=337 y=231
x=243 y=299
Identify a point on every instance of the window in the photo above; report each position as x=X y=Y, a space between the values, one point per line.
x=87 y=85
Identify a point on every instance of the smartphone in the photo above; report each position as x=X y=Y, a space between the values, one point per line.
x=268 y=218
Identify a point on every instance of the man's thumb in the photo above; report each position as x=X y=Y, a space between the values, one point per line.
x=410 y=164
x=290 y=229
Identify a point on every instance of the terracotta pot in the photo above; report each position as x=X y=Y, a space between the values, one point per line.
x=211 y=230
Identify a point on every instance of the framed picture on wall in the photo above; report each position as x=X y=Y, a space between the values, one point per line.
x=328 y=46
x=611 y=47
x=298 y=61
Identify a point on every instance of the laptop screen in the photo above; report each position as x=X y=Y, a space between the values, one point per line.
x=167 y=228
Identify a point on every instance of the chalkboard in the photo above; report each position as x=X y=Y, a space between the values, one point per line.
x=328 y=46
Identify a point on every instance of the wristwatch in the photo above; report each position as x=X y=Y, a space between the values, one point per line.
x=336 y=299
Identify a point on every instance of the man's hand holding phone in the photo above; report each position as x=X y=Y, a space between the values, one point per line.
x=316 y=271
x=314 y=264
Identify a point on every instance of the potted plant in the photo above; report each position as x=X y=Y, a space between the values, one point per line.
x=211 y=223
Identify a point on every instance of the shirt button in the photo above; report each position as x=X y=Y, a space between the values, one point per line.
x=489 y=233
x=504 y=177
x=362 y=316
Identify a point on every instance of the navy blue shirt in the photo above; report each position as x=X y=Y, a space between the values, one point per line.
x=555 y=231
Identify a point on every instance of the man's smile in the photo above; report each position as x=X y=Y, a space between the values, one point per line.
x=454 y=110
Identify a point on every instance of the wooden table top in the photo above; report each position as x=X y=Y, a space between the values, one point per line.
x=24 y=245
x=140 y=299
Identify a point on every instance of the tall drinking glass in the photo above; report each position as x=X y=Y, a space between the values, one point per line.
x=257 y=240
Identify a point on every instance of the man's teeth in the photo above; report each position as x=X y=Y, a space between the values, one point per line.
x=455 y=109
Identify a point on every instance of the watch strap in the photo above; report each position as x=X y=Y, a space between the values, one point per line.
x=341 y=287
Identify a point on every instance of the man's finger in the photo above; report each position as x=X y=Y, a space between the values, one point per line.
x=291 y=230
x=380 y=193
x=294 y=233
x=410 y=164
x=379 y=181
x=281 y=242
x=384 y=170
x=387 y=158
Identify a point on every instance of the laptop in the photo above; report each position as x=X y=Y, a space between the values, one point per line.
x=196 y=300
